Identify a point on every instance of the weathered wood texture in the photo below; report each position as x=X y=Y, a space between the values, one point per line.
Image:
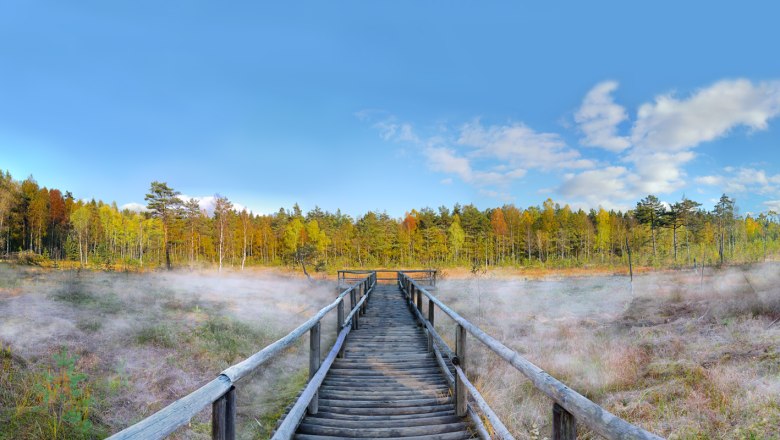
x=387 y=384
x=586 y=412
x=564 y=426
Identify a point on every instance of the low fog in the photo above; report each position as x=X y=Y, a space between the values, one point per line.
x=152 y=336
x=681 y=353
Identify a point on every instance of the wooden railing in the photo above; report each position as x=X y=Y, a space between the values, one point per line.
x=221 y=394
x=569 y=407
x=425 y=277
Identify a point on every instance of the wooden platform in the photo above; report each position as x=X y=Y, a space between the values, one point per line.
x=387 y=385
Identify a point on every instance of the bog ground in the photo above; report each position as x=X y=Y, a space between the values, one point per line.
x=682 y=355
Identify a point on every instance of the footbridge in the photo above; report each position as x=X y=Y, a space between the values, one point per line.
x=389 y=374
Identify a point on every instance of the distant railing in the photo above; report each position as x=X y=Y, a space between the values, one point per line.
x=568 y=405
x=425 y=277
x=220 y=392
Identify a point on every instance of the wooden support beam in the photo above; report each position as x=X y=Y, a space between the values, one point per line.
x=419 y=302
x=352 y=302
x=340 y=324
x=223 y=416
x=431 y=306
x=461 y=398
x=564 y=425
x=314 y=363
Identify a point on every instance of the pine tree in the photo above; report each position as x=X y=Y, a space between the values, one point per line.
x=164 y=204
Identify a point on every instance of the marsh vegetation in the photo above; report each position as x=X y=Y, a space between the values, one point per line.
x=85 y=354
x=683 y=355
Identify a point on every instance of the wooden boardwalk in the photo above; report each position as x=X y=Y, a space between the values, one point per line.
x=389 y=374
x=387 y=385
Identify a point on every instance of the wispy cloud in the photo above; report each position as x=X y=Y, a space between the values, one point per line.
x=517 y=144
x=741 y=180
x=671 y=124
x=773 y=205
x=650 y=157
x=666 y=133
x=599 y=116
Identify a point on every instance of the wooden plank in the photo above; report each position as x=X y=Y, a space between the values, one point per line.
x=387 y=379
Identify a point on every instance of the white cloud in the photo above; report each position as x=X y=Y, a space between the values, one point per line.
x=652 y=160
x=709 y=180
x=658 y=172
x=446 y=160
x=607 y=187
x=521 y=146
x=671 y=124
x=607 y=182
x=391 y=131
x=773 y=205
x=743 y=179
x=667 y=131
x=598 y=118
x=133 y=206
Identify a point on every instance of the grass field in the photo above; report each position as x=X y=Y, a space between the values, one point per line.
x=85 y=354
x=681 y=355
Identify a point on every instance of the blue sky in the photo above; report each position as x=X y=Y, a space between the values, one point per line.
x=395 y=105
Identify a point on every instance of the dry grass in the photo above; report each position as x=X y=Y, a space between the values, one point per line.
x=144 y=340
x=680 y=357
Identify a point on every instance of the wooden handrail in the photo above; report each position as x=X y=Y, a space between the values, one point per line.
x=164 y=422
x=286 y=429
x=430 y=278
x=581 y=408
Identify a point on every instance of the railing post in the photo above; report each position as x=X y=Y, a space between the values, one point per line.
x=340 y=318
x=460 y=387
x=419 y=302
x=430 y=319
x=223 y=416
x=352 y=302
x=365 y=292
x=314 y=363
x=564 y=425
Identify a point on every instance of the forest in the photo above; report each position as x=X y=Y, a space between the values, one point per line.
x=39 y=224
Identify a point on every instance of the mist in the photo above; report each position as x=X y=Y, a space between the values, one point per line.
x=704 y=347
x=153 y=338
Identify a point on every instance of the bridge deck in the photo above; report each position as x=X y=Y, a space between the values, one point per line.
x=387 y=385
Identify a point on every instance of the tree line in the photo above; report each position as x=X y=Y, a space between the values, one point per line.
x=173 y=232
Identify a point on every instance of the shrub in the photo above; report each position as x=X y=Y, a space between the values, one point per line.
x=56 y=404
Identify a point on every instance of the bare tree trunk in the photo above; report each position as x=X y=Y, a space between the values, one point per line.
x=243 y=258
x=221 y=238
